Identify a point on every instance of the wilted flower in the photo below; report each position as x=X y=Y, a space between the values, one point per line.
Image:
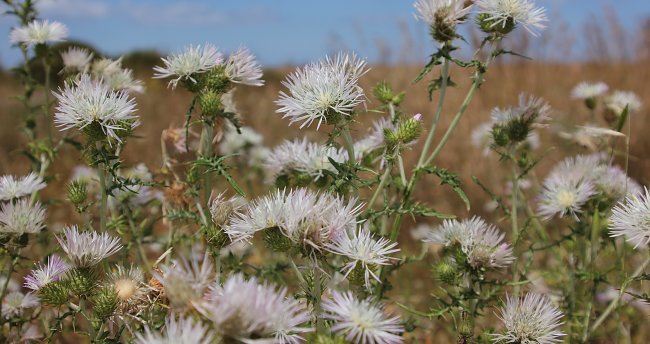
x=244 y=309
x=185 y=330
x=128 y=284
x=86 y=249
x=44 y=274
x=221 y=208
x=15 y=187
x=363 y=250
x=305 y=217
x=586 y=90
x=562 y=195
x=590 y=136
x=76 y=59
x=15 y=303
x=617 y=101
x=21 y=217
x=242 y=68
x=531 y=320
x=302 y=156
x=185 y=65
x=323 y=91
x=481 y=243
x=442 y=16
x=361 y=321
x=39 y=32
x=93 y=103
x=186 y=281
x=631 y=219
x=504 y=15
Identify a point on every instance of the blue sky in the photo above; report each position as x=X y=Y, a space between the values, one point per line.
x=278 y=31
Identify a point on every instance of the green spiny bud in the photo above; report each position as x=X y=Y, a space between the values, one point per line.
x=383 y=92
x=276 y=240
x=94 y=132
x=282 y=181
x=446 y=272
x=303 y=179
x=410 y=129
x=357 y=276
x=591 y=103
x=81 y=281
x=77 y=191
x=390 y=137
x=499 y=136
x=490 y=25
x=216 y=80
x=215 y=237
x=332 y=117
x=517 y=131
x=54 y=293
x=105 y=303
x=210 y=102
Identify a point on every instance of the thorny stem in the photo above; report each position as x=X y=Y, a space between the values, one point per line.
x=348 y=143
x=590 y=258
x=46 y=110
x=103 y=211
x=515 y=228
x=206 y=151
x=441 y=100
x=380 y=187
x=317 y=294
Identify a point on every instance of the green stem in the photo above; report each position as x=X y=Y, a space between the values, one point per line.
x=317 y=294
x=9 y=267
x=402 y=174
x=46 y=110
x=103 y=211
x=515 y=228
x=380 y=187
x=206 y=151
x=348 y=143
x=434 y=124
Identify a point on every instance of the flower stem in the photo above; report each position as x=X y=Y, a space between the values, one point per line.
x=434 y=124
x=206 y=151
x=515 y=228
x=103 y=207
x=348 y=143
x=380 y=187
x=9 y=267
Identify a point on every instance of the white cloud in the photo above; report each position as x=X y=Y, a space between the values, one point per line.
x=73 y=8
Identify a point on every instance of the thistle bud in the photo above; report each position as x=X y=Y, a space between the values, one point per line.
x=216 y=80
x=105 y=303
x=390 y=137
x=54 y=293
x=77 y=192
x=282 y=181
x=489 y=25
x=215 y=237
x=210 y=102
x=591 y=103
x=384 y=93
x=446 y=272
x=276 y=240
x=303 y=179
x=80 y=281
x=357 y=276
x=410 y=129
x=94 y=132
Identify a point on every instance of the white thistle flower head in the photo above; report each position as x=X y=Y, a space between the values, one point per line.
x=503 y=16
x=531 y=320
x=375 y=138
x=364 y=251
x=76 y=59
x=324 y=91
x=617 y=101
x=104 y=67
x=442 y=16
x=234 y=142
x=123 y=80
x=302 y=157
x=184 y=330
x=631 y=219
x=587 y=90
x=563 y=195
x=128 y=283
x=46 y=273
x=481 y=243
x=246 y=309
x=221 y=208
x=92 y=103
x=185 y=281
x=362 y=321
x=12 y=187
x=187 y=64
x=514 y=125
x=15 y=303
x=242 y=68
x=39 y=32
x=87 y=249
x=17 y=218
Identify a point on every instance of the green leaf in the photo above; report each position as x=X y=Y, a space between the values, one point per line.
x=216 y=164
x=451 y=179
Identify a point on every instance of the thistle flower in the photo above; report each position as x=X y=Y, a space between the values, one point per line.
x=184 y=330
x=514 y=124
x=242 y=68
x=221 y=208
x=305 y=217
x=92 y=103
x=123 y=80
x=76 y=59
x=361 y=321
x=247 y=143
x=364 y=250
x=185 y=281
x=482 y=137
x=586 y=90
x=39 y=32
x=531 y=320
x=15 y=187
x=323 y=91
x=87 y=249
x=104 y=67
x=562 y=195
x=618 y=100
x=128 y=283
x=504 y=15
x=482 y=244
x=44 y=274
x=15 y=303
x=631 y=219
x=442 y=16
x=21 y=217
x=302 y=156
x=185 y=65
x=244 y=309
x=375 y=138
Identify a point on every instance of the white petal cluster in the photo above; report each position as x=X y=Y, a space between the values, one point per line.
x=562 y=195
x=44 y=274
x=322 y=89
x=482 y=243
x=305 y=217
x=302 y=156
x=482 y=138
x=14 y=303
x=39 y=32
x=375 y=138
x=587 y=90
x=531 y=320
x=17 y=218
x=362 y=321
x=631 y=219
x=530 y=109
x=76 y=59
x=185 y=281
x=246 y=143
x=184 y=330
x=442 y=12
x=618 y=100
x=128 y=283
x=518 y=12
x=90 y=101
x=185 y=65
x=242 y=68
x=12 y=187
x=246 y=309
x=87 y=249
x=363 y=250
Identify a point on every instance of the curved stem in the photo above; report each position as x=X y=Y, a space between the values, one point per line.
x=348 y=143
x=515 y=228
x=434 y=124
x=380 y=187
